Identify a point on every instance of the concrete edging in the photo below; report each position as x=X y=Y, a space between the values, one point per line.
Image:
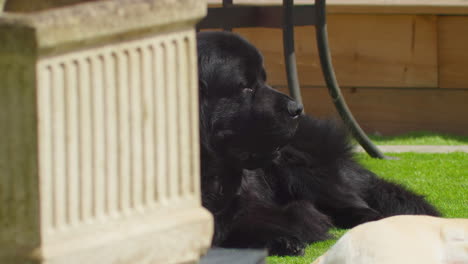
x=419 y=148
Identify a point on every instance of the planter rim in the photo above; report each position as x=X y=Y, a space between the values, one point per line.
x=88 y=23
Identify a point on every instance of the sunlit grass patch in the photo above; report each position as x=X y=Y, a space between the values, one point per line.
x=442 y=178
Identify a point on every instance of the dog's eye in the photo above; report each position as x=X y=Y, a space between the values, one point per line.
x=248 y=90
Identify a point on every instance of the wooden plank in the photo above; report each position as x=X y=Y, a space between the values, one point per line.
x=444 y=7
x=255 y=16
x=367 y=51
x=393 y=111
x=453 y=55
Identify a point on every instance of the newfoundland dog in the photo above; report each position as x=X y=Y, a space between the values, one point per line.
x=273 y=177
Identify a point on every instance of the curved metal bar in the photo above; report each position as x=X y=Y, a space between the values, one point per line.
x=332 y=84
x=227 y=3
x=288 y=48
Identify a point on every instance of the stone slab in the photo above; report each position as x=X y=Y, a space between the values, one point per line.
x=420 y=148
x=234 y=256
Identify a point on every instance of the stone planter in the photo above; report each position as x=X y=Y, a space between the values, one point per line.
x=99 y=159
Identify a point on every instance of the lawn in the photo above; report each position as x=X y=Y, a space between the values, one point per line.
x=442 y=178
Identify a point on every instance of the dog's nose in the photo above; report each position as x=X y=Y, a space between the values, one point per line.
x=295 y=109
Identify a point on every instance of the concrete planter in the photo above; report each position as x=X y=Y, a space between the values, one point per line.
x=99 y=157
x=32 y=6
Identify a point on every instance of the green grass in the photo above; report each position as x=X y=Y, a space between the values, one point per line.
x=420 y=138
x=442 y=178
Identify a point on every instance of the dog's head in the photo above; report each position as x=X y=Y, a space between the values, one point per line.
x=243 y=118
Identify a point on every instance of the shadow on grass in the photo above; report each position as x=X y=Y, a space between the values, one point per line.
x=312 y=251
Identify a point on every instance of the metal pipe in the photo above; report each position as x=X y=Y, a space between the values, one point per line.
x=227 y=3
x=289 y=53
x=332 y=84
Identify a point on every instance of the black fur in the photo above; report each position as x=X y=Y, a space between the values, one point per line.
x=273 y=178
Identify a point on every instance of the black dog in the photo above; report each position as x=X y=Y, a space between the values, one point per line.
x=272 y=177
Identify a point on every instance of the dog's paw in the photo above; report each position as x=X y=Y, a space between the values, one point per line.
x=286 y=246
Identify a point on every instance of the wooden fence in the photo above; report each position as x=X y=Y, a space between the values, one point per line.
x=402 y=66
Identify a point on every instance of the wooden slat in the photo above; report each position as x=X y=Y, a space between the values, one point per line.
x=393 y=111
x=255 y=16
x=453 y=55
x=367 y=51
x=445 y=7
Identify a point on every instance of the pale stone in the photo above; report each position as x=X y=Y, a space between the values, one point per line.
x=405 y=239
x=94 y=23
x=99 y=151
